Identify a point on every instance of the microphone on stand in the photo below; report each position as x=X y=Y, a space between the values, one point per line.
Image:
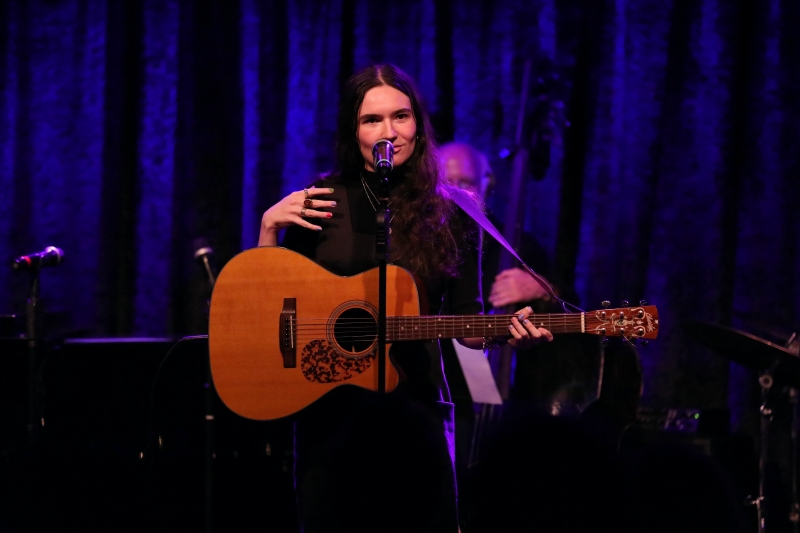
x=383 y=156
x=383 y=161
x=202 y=254
x=51 y=256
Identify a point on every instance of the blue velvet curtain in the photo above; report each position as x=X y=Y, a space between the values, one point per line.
x=128 y=129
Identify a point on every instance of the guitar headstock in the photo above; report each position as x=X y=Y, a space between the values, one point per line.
x=637 y=322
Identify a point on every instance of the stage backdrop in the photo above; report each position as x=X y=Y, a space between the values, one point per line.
x=128 y=129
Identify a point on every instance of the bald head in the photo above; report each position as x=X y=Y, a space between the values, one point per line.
x=465 y=167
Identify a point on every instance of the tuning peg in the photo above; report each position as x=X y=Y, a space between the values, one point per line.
x=605 y=303
x=625 y=303
x=642 y=302
x=644 y=342
x=605 y=341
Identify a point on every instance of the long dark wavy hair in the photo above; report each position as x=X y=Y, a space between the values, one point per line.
x=425 y=234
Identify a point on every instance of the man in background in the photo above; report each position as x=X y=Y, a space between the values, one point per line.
x=561 y=378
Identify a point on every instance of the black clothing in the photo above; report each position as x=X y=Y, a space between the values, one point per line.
x=379 y=436
x=530 y=251
x=557 y=377
x=346 y=244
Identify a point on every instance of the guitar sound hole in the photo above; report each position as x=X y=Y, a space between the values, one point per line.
x=355 y=330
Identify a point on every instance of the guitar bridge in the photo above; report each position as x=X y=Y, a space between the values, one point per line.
x=287 y=332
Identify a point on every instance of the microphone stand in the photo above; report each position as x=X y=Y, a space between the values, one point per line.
x=765 y=380
x=793 y=345
x=202 y=253
x=794 y=511
x=382 y=255
x=33 y=340
x=210 y=411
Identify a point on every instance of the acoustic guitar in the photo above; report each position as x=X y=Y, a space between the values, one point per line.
x=284 y=331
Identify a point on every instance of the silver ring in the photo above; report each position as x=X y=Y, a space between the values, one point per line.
x=306 y=191
x=303 y=212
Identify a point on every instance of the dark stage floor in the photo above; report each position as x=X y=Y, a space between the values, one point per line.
x=127 y=446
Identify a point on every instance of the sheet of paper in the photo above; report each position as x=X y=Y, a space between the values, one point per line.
x=478 y=374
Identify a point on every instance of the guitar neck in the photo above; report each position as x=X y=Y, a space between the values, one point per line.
x=409 y=328
x=641 y=322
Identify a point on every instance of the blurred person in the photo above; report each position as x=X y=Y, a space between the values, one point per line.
x=468 y=168
x=545 y=379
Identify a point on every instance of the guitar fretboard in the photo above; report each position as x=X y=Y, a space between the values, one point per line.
x=408 y=328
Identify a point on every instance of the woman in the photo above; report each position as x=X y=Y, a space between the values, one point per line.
x=333 y=223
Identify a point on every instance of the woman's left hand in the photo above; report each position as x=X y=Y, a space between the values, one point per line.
x=524 y=333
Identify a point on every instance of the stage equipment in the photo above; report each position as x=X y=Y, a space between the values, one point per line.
x=775 y=365
x=383 y=156
x=202 y=254
x=34 y=336
x=125 y=443
x=51 y=256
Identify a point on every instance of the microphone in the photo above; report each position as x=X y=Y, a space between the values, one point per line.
x=202 y=254
x=51 y=256
x=383 y=156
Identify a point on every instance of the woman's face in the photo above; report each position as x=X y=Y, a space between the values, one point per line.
x=386 y=114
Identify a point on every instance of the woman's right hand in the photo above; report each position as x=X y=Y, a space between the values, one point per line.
x=295 y=208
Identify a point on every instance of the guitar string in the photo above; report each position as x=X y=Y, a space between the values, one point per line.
x=311 y=323
x=368 y=321
x=357 y=321
x=395 y=338
x=449 y=326
x=437 y=318
x=369 y=328
x=357 y=328
x=494 y=317
x=610 y=312
x=371 y=331
x=360 y=328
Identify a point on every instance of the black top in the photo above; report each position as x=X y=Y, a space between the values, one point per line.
x=346 y=246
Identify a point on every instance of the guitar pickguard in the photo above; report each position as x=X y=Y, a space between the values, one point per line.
x=321 y=363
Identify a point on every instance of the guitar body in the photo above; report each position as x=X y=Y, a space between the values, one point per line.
x=246 y=331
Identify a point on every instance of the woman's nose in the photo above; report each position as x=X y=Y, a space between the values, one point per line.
x=388 y=132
